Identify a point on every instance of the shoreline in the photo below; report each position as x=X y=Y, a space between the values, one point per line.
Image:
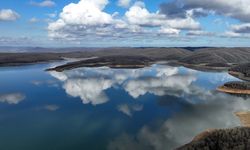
x=228 y=138
x=202 y=59
x=225 y=89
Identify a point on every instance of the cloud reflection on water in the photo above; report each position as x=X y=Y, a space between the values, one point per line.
x=214 y=111
x=200 y=108
x=159 y=85
x=12 y=98
x=90 y=90
x=129 y=109
x=90 y=83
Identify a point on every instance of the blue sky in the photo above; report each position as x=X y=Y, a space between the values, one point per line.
x=107 y=23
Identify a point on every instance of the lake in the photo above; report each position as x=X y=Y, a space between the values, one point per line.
x=154 y=108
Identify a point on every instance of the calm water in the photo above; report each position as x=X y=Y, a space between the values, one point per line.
x=158 y=107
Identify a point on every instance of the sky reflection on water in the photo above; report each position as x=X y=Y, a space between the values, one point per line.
x=158 y=107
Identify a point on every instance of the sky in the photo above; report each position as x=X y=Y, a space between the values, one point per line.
x=125 y=23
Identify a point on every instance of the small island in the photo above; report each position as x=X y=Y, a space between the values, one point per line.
x=235 y=87
x=241 y=71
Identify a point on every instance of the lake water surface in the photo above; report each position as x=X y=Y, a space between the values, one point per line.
x=154 y=108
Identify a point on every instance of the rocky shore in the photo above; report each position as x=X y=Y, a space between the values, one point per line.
x=236 y=87
x=244 y=117
x=241 y=71
x=221 y=139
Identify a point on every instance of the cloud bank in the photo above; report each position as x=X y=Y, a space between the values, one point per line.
x=88 y=20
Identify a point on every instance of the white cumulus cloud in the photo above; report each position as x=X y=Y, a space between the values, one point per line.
x=124 y=3
x=8 y=15
x=88 y=19
x=139 y=15
x=80 y=17
x=45 y=3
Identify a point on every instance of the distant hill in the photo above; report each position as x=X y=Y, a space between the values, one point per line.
x=218 y=55
x=9 y=49
x=153 y=53
x=199 y=58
